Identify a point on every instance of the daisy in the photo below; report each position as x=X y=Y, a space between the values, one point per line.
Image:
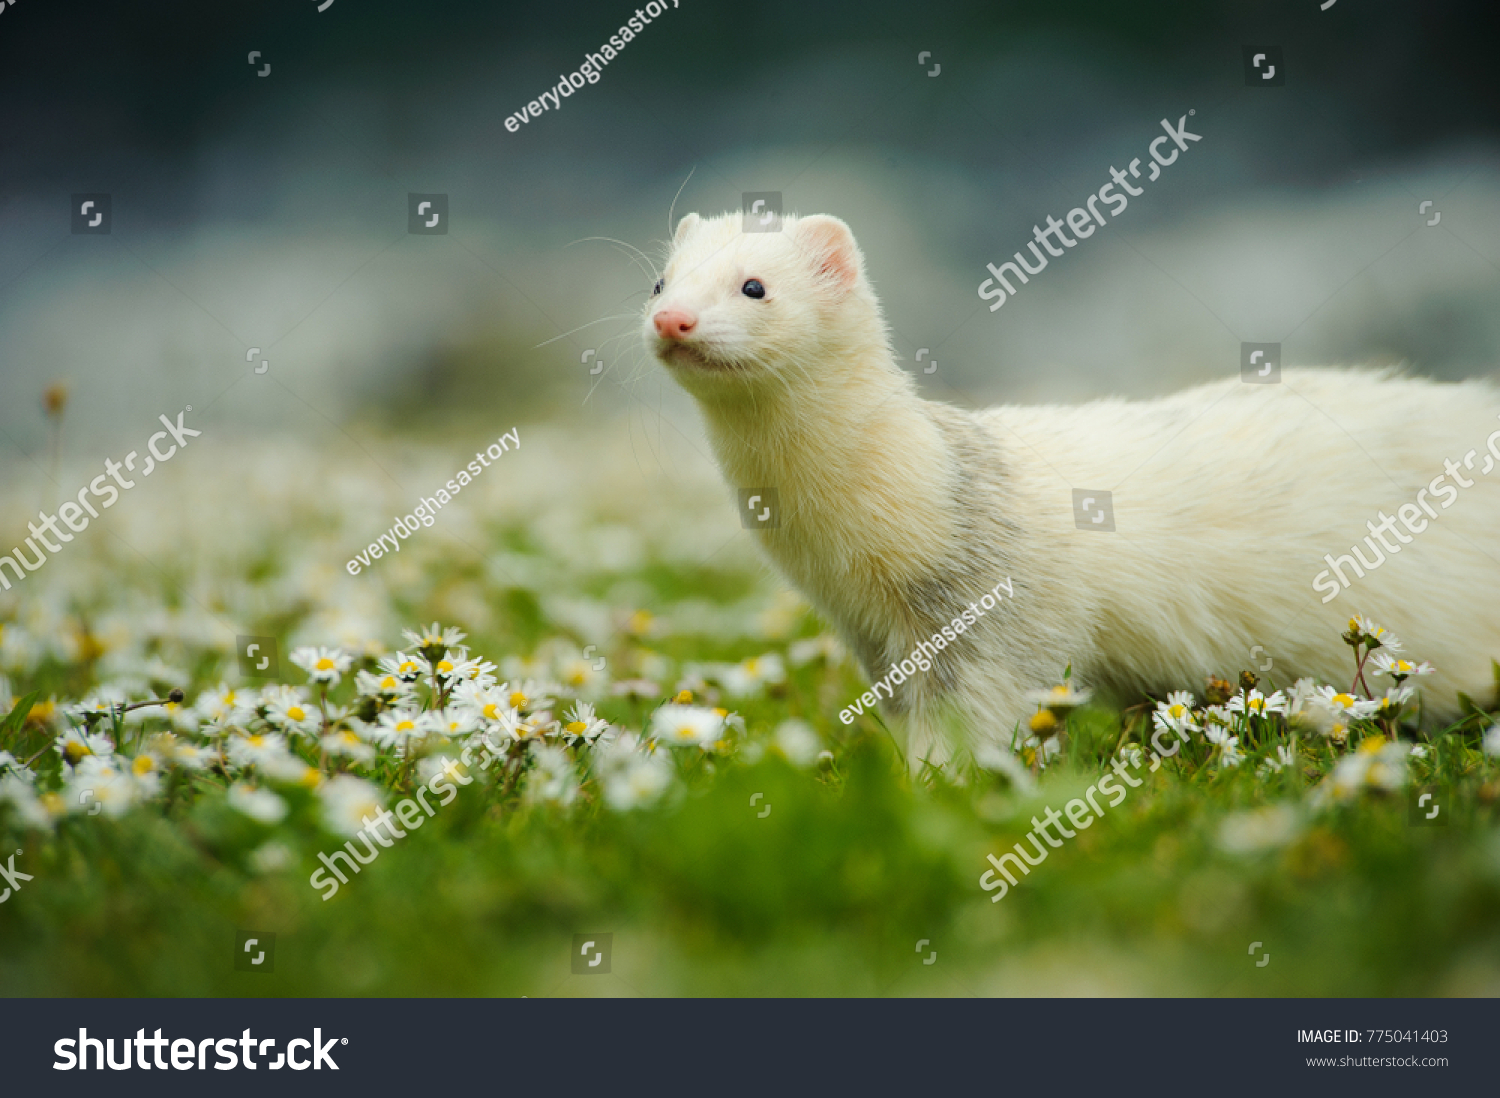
x=347 y=800
x=1175 y=714
x=552 y=780
x=453 y=722
x=1063 y=696
x=244 y=751
x=259 y=804
x=582 y=724
x=486 y=703
x=753 y=675
x=686 y=725
x=825 y=647
x=406 y=668
x=1274 y=764
x=1398 y=668
x=1364 y=631
x=287 y=708
x=396 y=728
x=1492 y=741
x=435 y=638
x=345 y=744
x=582 y=676
x=636 y=689
x=638 y=781
x=797 y=742
x=1390 y=703
x=529 y=693
x=1345 y=705
x=34 y=812
x=75 y=746
x=1254 y=703
x=326 y=665
x=227 y=706
x=1229 y=752
x=387 y=685
x=994 y=758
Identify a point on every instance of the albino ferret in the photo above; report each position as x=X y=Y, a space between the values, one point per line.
x=1238 y=509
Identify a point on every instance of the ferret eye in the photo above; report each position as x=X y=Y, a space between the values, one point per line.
x=754 y=289
x=660 y=282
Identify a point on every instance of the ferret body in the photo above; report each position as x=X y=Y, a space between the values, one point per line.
x=1230 y=501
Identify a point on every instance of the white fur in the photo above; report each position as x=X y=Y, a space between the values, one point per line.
x=1226 y=498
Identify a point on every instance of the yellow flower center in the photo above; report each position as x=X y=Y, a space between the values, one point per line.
x=388 y=683
x=491 y=711
x=577 y=677
x=1344 y=701
x=325 y=664
x=517 y=700
x=685 y=698
x=142 y=765
x=721 y=713
x=75 y=751
x=1179 y=711
x=685 y=732
x=405 y=726
x=577 y=728
x=1257 y=703
x=445 y=666
x=1043 y=723
x=296 y=713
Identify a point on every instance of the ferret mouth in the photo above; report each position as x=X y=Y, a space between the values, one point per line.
x=696 y=356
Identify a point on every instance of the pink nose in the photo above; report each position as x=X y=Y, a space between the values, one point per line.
x=674 y=323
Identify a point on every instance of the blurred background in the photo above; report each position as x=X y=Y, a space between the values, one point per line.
x=270 y=211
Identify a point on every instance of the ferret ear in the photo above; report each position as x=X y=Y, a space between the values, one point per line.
x=830 y=246
x=684 y=227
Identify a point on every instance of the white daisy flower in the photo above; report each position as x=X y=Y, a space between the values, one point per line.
x=1175 y=714
x=75 y=746
x=1376 y=636
x=435 y=636
x=271 y=857
x=347 y=800
x=1345 y=705
x=1274 y=764
x=637 y=781
x=1259 y=829
x=327 y=665
x=404 y=667
x=287 y=707
x=32 y=810
x=1398 y=668
x=686 y=725
x=552 y=780
x=227 y=705
x=257 y=750
x=797 y=742
x=387 y=684
x=636 y=689
x=259 y=804
x=995 y=758
x=751 y=676
x=582 y=724
x=1254 y=703
x=825 y=647
x=1492 y=741
x=345 y=744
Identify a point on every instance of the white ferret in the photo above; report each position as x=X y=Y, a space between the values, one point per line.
x=1237 y=508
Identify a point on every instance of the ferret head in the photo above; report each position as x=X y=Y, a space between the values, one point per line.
x=734 y=308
